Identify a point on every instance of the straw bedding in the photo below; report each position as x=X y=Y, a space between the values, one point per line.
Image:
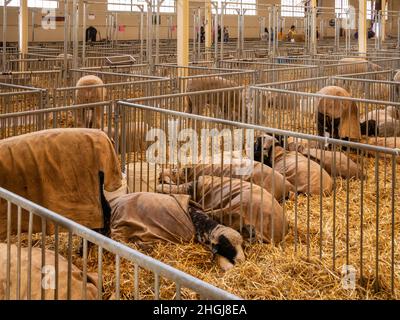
x=286 y=271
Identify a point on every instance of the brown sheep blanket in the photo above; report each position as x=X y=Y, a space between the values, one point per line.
x=236 y=203
x=258 y=173
x=147 y=217
x=36 y=276
x=59 y=170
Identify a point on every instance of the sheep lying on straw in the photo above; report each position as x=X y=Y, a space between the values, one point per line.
x=146 y=217
x=37 y=273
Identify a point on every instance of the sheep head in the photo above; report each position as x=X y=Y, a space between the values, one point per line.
x=264 y=145
x=226 y=245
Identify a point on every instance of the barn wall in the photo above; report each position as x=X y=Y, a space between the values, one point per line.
x=131 y=22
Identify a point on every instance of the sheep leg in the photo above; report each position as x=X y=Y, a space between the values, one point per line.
x=321 y=123
x=106 y=209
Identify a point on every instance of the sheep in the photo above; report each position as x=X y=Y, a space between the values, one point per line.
x=344 y=167
x=357 y=65
x=294 y=165
x=382 y=123
x=93 y=91
x=243 y=206
x=337 y=117
x=225 y=243
x=146 y=217
x=64 y=170
x=258 y=173
x=36 y=271
x=230 y=104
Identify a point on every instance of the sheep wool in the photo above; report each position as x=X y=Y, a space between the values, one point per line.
x=89 y=94
x=258 y=173
x=147 y=217
x=59 y=169
x=36 y=276
x=236 y=203
x=343 y=111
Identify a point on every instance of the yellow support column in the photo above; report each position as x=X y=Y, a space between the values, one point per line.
x=383 y=21
x=23 y=27
x=362 y=26
x=183 y=35
x=208 y=19
x=314 y=26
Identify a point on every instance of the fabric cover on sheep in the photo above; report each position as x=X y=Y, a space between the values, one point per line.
x=36 y=276
x=59 y=170
x=147 y=217
x=232 y=201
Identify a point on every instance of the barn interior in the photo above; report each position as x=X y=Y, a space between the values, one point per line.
x=199 y=149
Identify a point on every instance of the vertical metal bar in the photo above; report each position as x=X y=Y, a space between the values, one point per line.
x=43 y=244
x=69 y=280
x=156 y=286
x=178 y=291
x=8 y=282
x=136 y=282
x=56 y=262
x=29 y=267
x=18 y=293
x=84 y=270
x=377 y=222
x=5 y=4
x=117 y=277
x=100 y=273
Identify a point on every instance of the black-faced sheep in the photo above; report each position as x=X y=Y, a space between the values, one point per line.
x=145 y=217
x=92 y=91
x=302 y=173
x=250 y=171
x=381 y=123
x=337 y=117
x=244 y=206
x=224 y=242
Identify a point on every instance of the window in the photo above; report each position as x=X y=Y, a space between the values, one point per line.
x=369 y=10
x=292 y=8
x=47 y=4
x=168 y=6
x=249 y=5
x=341 y=8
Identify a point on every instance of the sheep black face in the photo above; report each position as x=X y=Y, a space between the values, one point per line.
x=264 y=146
x=368 y=128
x=225 y=243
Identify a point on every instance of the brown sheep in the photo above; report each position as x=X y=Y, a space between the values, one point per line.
x=259 y=174
x=236 y=203
x=337 y=117
x=93 y=91
x=384 y=123
x=64 y=170
x=356 y=65
x=294 y=166
x=230 y=104
x=37 y=273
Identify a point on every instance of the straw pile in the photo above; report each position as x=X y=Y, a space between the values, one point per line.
x=292 y=270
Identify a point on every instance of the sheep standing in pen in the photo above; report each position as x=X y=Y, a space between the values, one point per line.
x=231 y=104
x=303 y=173
x=92 y=91
x=145 y=217
x=337 y=117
